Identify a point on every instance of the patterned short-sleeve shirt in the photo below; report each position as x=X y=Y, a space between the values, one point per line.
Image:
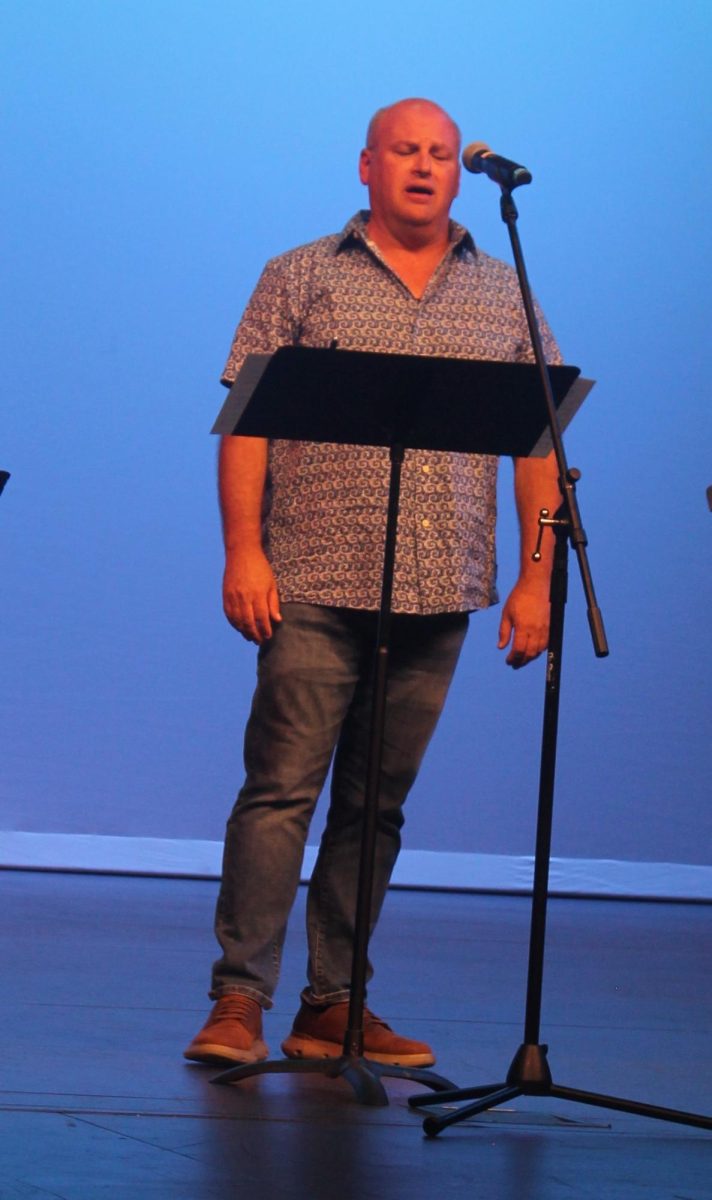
x=325 y=504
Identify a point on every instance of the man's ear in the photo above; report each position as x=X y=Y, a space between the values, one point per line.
x=364 y=163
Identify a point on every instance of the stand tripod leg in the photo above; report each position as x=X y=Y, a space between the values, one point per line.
x=470 y=1093
x=433 y=1125
x=617 y=1104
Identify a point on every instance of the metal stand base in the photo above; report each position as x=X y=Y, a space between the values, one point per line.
x=529 y=1075
x=362 y=1074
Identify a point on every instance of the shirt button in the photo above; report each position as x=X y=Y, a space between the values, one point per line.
x=425 y=523
x=426 y=469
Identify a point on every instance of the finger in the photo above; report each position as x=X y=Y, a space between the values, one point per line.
x=240 y=614
x=273 y=602
x=505 y=632
x=263 y=616
x=232 y=611
x=520 y=651
x=537 y=644
x=262 y=626
x=522 y=657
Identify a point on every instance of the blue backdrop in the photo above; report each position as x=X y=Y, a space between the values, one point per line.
x=156 y=154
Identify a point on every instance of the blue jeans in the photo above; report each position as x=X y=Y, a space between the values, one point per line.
x=312 y=701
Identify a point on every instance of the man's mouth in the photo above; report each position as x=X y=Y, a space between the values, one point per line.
x=420 y=189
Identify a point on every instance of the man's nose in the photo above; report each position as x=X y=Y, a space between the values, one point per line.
x=422 y=163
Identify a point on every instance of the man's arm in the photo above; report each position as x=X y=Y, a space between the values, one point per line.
x=525 y=616
x=250 y=596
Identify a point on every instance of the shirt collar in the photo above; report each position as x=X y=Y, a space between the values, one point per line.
x=461 y=240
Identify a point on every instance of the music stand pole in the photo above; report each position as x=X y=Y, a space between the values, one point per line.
x=529 y=1073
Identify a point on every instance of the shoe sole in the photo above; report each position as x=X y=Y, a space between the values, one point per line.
x=215 y=1053
x=305 y=1047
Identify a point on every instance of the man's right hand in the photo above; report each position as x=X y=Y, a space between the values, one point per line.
x=250 y=597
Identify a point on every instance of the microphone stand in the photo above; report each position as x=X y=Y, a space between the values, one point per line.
x=529 y=1073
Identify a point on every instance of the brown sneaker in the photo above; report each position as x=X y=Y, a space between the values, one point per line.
x=232 y=1033
x=319 y=1033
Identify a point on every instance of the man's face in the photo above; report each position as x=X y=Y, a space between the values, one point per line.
x=412 y=169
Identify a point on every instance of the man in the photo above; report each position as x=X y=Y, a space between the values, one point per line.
x=303 y=526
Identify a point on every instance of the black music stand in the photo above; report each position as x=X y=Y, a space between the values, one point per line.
x=396 y=401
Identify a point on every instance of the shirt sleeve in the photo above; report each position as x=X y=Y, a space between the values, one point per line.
x=266 y=323
x=525 y=351
x=552 y=354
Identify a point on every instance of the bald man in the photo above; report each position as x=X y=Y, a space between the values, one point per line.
x=303 y=525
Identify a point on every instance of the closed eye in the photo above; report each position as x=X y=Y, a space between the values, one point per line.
x=440 y=152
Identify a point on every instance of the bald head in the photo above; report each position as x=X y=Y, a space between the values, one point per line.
x=382 y=117
x=412 y=171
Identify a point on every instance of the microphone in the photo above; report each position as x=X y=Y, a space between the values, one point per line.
x=478 y=158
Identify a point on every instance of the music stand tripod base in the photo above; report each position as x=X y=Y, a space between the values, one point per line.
x=362 y=1074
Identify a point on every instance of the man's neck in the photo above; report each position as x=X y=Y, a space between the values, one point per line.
x=414 y=253
x=402 y=240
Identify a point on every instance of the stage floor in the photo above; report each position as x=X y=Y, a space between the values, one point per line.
x=104 y=982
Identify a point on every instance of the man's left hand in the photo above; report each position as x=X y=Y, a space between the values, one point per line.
x=525 y=622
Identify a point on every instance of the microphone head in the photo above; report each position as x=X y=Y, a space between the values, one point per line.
x=472 y=154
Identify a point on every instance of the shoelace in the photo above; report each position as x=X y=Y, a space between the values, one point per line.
x=233 y=1008
x=370 y=1018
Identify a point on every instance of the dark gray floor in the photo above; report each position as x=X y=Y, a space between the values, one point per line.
x=104 y=982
